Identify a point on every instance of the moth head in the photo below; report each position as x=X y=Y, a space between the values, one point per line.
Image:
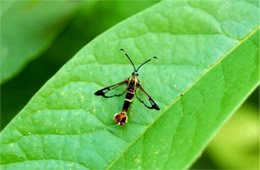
x=135 y=73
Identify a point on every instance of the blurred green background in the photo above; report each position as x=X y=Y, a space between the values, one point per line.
x=235 y=146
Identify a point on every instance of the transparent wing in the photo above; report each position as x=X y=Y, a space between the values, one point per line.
x=112 y=91
x=144 y=98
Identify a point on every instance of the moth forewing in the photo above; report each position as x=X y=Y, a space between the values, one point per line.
x=113 y=90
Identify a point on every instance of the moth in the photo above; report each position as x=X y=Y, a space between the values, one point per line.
x=132 y=87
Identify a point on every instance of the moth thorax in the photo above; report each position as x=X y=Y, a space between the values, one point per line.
x=120 y=118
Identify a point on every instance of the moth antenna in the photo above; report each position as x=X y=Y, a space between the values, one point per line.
x=128 y=58
x=146 y=62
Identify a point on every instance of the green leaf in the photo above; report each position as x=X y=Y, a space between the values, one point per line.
x=27 y=29
x=206 y=51
x=82 y=28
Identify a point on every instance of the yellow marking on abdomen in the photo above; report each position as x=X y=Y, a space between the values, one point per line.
x=129 y=100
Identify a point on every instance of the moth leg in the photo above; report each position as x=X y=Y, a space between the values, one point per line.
x=142 y=81
x=130 y=110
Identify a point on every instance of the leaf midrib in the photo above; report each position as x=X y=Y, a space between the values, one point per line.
x=186 y=90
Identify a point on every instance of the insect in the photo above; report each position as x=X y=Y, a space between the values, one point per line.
x=131 y=86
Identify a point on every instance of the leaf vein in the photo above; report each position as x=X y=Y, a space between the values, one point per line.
x=186 y=90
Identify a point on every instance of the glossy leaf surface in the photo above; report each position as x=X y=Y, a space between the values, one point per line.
x=206 y=52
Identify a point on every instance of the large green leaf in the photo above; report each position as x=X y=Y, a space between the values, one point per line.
x=27 y=28
x=206 y=51
x=80 y=30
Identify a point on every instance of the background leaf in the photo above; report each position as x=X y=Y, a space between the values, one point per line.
x=27 y=29
x=82 y=28
x=211 y=63
x=247 y=134
x=236 y=145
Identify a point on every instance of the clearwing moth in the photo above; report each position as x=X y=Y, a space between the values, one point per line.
x=131 y=86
